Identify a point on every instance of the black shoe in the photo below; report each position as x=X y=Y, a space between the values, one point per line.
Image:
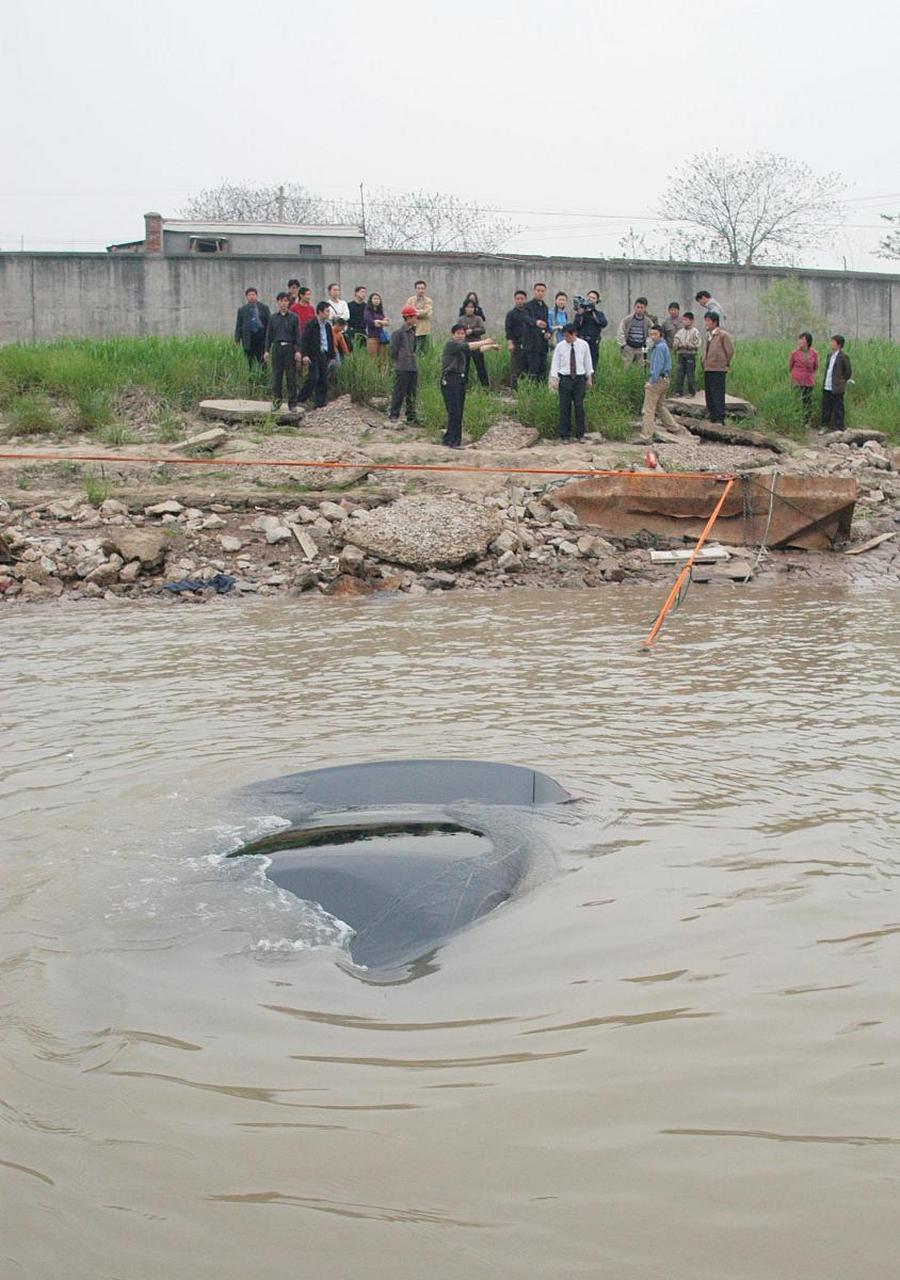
x=393 y=417
x=579 y=439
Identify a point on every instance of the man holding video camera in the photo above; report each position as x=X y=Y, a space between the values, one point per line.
x=590 y=321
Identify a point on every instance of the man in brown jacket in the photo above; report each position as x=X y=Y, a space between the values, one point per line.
x=718 y=352
x=424 y=311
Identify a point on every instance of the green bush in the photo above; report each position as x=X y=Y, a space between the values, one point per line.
x=93 y=410
x=32 y=413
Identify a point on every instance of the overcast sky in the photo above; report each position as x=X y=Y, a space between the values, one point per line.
x=569 y=115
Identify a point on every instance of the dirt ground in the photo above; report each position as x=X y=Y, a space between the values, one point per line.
x=59 y=515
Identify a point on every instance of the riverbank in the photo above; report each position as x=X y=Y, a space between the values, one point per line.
x=166 y=530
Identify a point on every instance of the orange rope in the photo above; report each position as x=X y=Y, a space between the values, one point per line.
x=329 y=465
x=679 y=581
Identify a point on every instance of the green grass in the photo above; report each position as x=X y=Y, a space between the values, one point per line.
x=78 y=381
x=759 y=374
x=96 y=490
x=32 y=413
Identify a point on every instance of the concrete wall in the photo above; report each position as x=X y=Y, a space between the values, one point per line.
x=52 y=295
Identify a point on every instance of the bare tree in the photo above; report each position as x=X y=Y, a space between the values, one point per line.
x=752 y=209
x=889 y=247
x=240 y=202
x=427 y=220
x=433 y=221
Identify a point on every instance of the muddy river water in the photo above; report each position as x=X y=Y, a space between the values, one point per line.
x=674 y=1058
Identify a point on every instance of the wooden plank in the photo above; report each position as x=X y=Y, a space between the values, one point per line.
x=873 y=542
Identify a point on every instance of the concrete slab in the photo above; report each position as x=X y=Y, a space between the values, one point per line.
x=247 y=411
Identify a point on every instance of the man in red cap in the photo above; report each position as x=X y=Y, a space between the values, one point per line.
x=406 y=370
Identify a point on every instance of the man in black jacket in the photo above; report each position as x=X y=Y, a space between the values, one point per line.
x=517 y=320
x=838 y=372
x=590 y=322
x=250 y=327
x=536 y=335
x=283 y=350
x=318 y=350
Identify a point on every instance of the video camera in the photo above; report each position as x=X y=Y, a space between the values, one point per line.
x=583 y=304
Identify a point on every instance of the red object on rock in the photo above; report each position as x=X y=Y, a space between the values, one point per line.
x=652 y=461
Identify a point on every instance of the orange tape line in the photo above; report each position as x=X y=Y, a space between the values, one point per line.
x=352 y=466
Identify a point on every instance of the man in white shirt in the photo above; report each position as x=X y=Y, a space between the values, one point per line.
x=337 y=307
x=571 y=373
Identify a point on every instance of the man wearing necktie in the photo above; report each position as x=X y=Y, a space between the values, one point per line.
x=571 y=373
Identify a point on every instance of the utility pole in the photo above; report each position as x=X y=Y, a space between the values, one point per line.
x=280 y=204
x=362 y=208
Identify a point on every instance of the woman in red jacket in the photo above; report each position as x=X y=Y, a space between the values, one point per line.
x=802 y=365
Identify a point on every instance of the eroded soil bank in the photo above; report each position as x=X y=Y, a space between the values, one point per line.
x=167 y=530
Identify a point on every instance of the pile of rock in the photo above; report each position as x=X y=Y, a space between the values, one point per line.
x=417 y=545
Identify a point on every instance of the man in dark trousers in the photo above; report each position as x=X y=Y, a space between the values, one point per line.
x=318 y=350
x=590 y=322
x=453 y=378
x=283 y=351
x=718 y=353
x=250 y=328
x=536 y=335
x=517 y=320
x=356 y=330
x=571 y=373
x=838 y=372
x=406 y=370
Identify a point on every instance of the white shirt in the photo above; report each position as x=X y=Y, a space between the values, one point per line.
x=339 y=310
x=828 y=372
x=561 y=364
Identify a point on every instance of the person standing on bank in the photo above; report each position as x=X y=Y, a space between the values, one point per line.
x=590 y=322
x=802 y=365
x=838 y=373
x=338 y=309
x=294 y=288
x=657 y=385
x=671 y=326
x=406 y=369
x=453 y=379
x=356 y=329
x=708 y=303
x=634 y=333
x=517 y=321
x=283 y=350
x=318 y=352
x=571 y=373
x=472 y=297
x=685 y=346
x=250 y=327
x=475 y=330
x=718 y=353
x=537 y=334
x=557 y=318
x=376 y=322
x=424 y=311
x=303 y=308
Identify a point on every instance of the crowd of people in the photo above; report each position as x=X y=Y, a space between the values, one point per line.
x=299 y=337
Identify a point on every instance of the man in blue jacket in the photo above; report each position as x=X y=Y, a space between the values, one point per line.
x=657 y=387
